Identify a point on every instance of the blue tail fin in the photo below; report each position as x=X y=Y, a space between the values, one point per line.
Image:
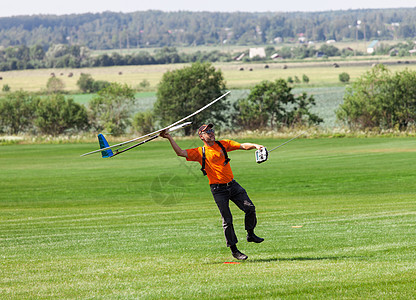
x=104 y=144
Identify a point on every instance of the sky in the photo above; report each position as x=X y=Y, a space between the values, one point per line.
x=56 y=7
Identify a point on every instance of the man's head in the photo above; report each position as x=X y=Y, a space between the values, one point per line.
x=206 y=132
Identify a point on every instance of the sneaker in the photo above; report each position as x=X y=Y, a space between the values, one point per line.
x=241 y=256
x=254 y=238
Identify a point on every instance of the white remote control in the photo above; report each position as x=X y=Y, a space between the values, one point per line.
x=261 y=155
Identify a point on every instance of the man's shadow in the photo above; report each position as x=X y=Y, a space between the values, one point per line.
x=298 y=258
x=283 y=259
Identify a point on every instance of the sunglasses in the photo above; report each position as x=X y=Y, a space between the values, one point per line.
x=209 y=131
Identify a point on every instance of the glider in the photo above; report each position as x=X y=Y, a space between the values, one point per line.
x=107 y=150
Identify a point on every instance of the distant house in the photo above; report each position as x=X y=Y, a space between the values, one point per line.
x=372 y=47
x=260 y=52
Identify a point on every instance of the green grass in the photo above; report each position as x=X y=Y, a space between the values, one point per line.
x=327 y=101
x=145 y=98
x=82 y=98
x=144 y=224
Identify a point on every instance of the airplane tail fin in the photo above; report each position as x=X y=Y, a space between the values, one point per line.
x=104 y=144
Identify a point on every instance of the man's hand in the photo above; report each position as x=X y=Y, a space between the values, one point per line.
x=164 y=134
x=179 y=152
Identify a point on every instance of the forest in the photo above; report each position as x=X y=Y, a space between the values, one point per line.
x=143 y=29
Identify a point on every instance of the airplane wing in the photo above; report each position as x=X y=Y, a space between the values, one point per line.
x=171 y=126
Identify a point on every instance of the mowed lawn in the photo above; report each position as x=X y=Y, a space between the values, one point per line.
x=338 y=217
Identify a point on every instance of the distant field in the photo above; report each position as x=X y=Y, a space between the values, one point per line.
x=85 y=98
x=338 y=217
x=35 y=80
x=319 y=73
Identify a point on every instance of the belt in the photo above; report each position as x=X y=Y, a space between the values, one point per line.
x=222 y=184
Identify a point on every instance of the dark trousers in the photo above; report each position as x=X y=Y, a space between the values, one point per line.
x=233 y=191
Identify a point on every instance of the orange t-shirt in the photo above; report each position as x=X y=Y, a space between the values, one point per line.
x=217 y=173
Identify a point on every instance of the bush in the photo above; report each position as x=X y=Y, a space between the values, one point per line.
x=55 y=85
x=183 y=91
x=17 y=112
x=55 y=115
x=110 y=109
x=380 y=99
x=143 y=122
x=305 y=78
x=344 y=77
x=6 y=88
x=99 y=85
x=272 y=104
x=86 y=83
x=144 y=84
x=22 y=112
x=329 y=50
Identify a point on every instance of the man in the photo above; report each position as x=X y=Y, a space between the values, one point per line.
x=214 y=160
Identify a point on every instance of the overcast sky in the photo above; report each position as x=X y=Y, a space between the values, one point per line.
x=61 y=7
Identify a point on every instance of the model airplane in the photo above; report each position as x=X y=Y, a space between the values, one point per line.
x=109 y=151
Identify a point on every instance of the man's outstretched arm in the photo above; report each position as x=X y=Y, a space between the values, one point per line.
x=176 y=148
x=249 y=146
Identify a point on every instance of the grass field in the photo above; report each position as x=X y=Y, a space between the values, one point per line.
x=144 y=224
x=141 y=97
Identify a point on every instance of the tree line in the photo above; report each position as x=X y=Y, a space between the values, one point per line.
x=65 y=56
x=109 y=30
